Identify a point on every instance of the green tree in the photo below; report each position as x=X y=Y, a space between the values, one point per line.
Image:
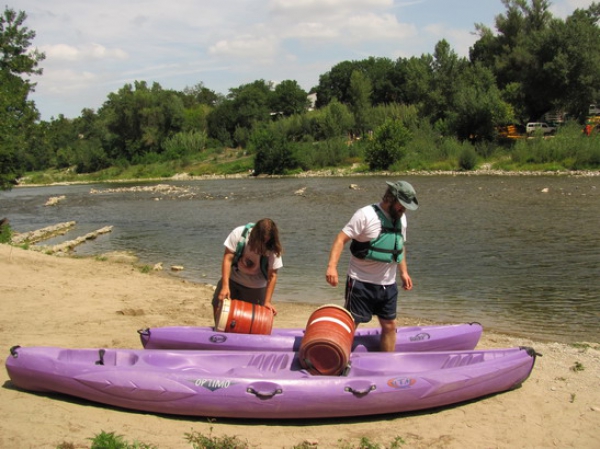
x=252 y=102
x=61 y=137
x=379 y=72
x=289 y=98
x=139 y=120
x=569 y=54
x=415 y=76
x=446 y=70
x=477 y=107
x=245 y=107
x=199 y=94
x=38 y=154
x=542 y=63
x=360 y=101
x=17 y=113
x=198 y=101
x=335 y=84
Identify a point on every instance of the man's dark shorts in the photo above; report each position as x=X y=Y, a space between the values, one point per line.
x=364 y=300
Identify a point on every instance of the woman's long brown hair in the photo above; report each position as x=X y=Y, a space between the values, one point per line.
x=264 y=238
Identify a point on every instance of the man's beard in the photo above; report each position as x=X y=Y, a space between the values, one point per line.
x=394 y=214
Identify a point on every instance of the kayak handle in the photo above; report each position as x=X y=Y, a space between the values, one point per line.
x=101 y=353
x=360 y=390
x=266 y=392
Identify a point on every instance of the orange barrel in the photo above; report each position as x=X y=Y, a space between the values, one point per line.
x=326 y=345
x=241 y=317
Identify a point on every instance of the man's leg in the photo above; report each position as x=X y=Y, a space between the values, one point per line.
x=388 y=335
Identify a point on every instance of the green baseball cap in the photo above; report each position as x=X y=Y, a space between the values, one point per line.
x=405 y=194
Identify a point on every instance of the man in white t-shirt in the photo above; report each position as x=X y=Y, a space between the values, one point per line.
x=378 y=233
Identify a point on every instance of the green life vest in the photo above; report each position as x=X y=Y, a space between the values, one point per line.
x=388 y=247
x=239 y=250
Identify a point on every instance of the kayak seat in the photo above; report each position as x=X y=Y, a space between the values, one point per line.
x=263 y=364
x=456 y=360
x=270 y=362
x=359 y=371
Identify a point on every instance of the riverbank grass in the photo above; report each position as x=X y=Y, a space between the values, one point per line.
x=197 y=440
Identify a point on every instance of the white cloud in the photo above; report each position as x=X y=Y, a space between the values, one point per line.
x=64 y=52
x=310 y=30
x=247 y=47
x=67 y=80
x=370 y=27
x=93 y=48
x=565 y=8
x=316 y=8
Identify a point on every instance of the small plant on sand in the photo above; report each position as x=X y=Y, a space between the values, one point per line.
x=306 y=445
x=397 y=442
x=583 y=347
x=65 y=445
x=577 y=366
x=108 y=440
x=145 y=269
x=200 y=441
x=572 y=398
x=365 y=443
x=5 y=232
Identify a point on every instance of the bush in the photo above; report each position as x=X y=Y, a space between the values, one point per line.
x=388 y=145
x=570 y=149
x=322 y=154
x=274 y=154
x=5 y=231
x=467 y=160
x=185 y=144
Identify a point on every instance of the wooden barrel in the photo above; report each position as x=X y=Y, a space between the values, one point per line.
x=241 y=317
x=326 y=345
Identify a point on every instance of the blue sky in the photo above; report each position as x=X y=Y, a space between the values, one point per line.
x=93 y=48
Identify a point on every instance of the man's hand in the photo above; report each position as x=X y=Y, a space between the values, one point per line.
x=332 y=276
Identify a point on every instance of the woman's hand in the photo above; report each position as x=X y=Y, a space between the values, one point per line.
x=224 y=293
x=272 y=309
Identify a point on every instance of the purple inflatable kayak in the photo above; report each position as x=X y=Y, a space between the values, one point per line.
x=408 y=339
x=267 y=385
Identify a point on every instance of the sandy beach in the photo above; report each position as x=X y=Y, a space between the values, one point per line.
x=88 y=303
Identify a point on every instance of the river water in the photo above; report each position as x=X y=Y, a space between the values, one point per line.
x=519 y=254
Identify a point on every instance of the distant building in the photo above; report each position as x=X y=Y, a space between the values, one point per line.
x=312 y=98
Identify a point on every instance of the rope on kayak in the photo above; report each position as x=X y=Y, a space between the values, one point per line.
x=532 y=352
x=13 y=351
